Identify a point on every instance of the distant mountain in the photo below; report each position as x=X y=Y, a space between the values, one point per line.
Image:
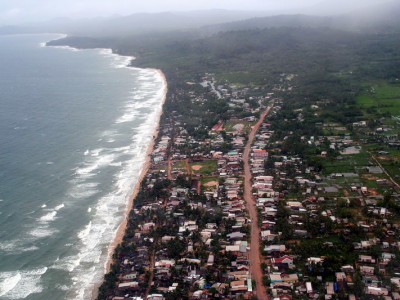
x=140 y=23
x=379 y=18
x=382 y=17
x=271 y=22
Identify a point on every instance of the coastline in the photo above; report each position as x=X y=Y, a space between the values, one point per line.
x=120 y=232
x=146 y=165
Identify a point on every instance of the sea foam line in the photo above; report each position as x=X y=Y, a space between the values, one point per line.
x=94 y=237
x=21 y=284
x=106 y=216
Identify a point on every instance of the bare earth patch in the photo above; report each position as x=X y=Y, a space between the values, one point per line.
x=196 y=167
x=211 y=183
x=370 y=177
x=389 y=158
x=238 y=127
x=373 y=192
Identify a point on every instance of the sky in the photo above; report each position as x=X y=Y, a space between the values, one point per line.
x=20 y=11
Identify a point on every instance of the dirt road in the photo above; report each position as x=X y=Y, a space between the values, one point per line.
x=254 y=255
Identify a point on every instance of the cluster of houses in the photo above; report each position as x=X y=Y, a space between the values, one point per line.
x=188 y=235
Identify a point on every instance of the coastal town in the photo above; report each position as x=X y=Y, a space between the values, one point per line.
x=269 y=202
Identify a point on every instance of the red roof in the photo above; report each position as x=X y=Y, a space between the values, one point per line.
x=282 y=259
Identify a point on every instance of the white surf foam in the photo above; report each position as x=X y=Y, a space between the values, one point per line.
x=127 y=117
x=58 y=207
x=118 y=61
x=51 y=216
x=42 y=231
x=106 y=213
x=8 y=282
x=17 y=246
x=85 y=232
x=84 y=190
x=90 y=167
x=21 y=284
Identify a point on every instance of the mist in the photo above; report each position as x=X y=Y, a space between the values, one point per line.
x=19 y=12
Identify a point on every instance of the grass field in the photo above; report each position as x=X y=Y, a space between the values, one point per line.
x=179 y=165
x=385 y=97
x=349 y=163
x=209 y=183
x=205 y=167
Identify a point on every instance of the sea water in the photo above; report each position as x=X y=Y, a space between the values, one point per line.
x=74 y=129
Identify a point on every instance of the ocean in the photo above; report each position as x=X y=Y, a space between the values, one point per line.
x=74 y=129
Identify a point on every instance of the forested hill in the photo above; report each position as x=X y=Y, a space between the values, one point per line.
x=257 y=51
x=264 y=45
x=328 y=62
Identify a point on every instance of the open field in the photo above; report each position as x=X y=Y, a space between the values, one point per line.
x=209 y=183
x=206 y=167
x=348 y=163
x=179 y=165
x=236 y=126
x=382 y=96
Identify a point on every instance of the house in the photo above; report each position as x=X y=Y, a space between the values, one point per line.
x=266 y=235
x=238 y=286
x=128 y=285
x=374 y=170
x=237 y=236
x=365 y=270
x=275 y=249
x=309 y=288
x=376 y=291
x=285 y=260
x=329 y=288
x=340 y=276
x=366 y=259
x=290 y=278
x=347 y=269
x=155 y=297
x=147 y=226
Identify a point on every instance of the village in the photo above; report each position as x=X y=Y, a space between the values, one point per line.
x=253 y=208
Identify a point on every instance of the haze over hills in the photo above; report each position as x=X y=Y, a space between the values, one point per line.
x=139 y=23
x=339 y=7
x=358 y=16
x=378 y=17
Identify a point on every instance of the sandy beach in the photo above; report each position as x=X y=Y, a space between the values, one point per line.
x=122 y=227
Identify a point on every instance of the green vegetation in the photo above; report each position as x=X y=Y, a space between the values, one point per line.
x=206 y=167
x=179 y=165
x=209 y=183
x=382 y=97
x=346 y=163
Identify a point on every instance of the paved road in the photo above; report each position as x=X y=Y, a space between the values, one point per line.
x=254 y=255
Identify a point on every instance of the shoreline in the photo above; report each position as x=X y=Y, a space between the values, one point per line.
x=120 y=232
x=121 y=229
x=146 y=165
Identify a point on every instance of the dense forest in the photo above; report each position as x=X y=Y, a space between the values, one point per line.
x=328 y=63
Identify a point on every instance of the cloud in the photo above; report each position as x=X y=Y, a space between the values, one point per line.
x=13 y=12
